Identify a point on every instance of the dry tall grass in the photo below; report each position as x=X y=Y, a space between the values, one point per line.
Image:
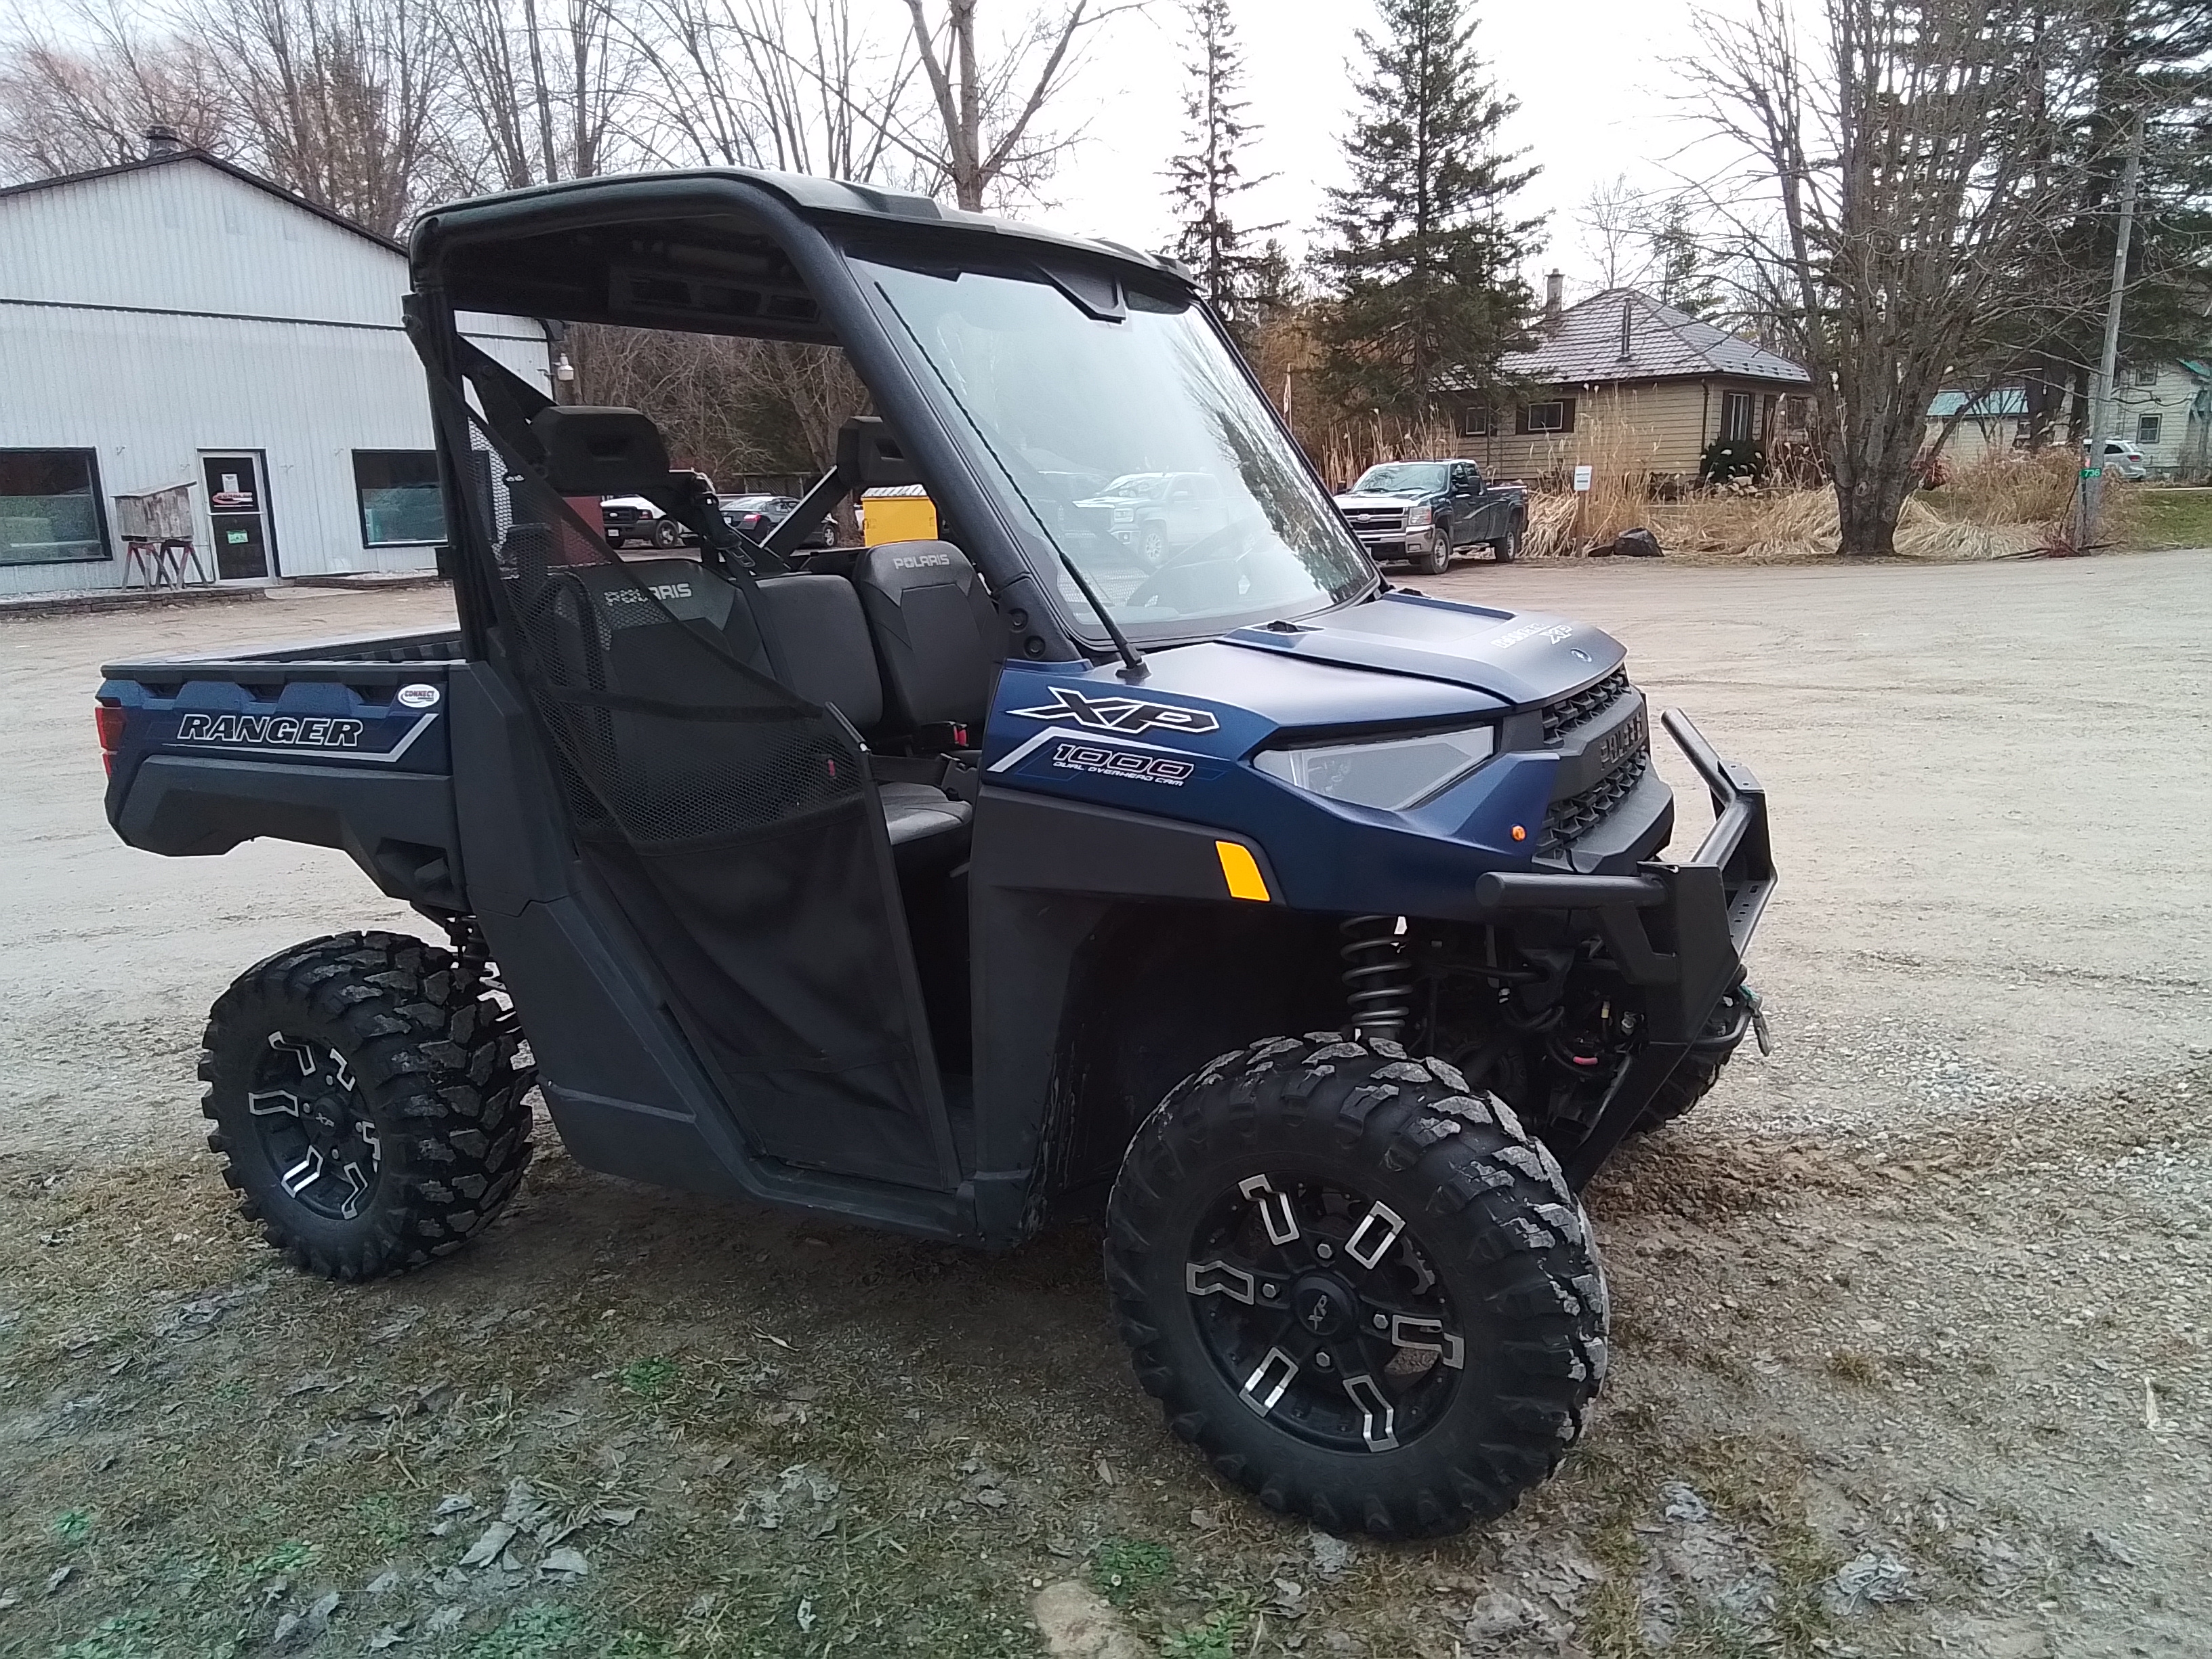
x=1999 y=508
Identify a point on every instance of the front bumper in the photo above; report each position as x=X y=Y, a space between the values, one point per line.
x=1678 y=931
x=1382 y=544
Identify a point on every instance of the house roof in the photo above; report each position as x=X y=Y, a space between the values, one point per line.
x=1997 y=403
x=1584 y=344
x=266 y=185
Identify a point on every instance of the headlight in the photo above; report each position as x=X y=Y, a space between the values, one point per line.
x=1124 y=515
x=1399 y=772
x=1417 y=516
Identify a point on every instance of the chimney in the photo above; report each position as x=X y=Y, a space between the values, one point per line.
x=162 y=140
x=1555 y=296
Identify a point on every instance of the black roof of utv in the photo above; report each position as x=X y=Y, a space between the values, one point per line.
x=699 y=249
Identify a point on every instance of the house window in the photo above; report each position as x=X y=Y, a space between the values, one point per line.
x=2147 y=429
x=1473 y=421
x=49 y=507
x=1555 y=415
x=2148 y=375
x=1735 y=416
x=1794 y=412
x=397 y=489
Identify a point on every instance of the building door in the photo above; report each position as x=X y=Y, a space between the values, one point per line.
x=238 y=514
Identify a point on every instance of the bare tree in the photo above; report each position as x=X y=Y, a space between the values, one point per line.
x=1891 y=184
x=988 y=111
x=341 y=100
x=539 y=85
x=799 y=85
x=73 y=100
x=1614 y=219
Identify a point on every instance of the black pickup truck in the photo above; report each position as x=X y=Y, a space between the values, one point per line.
x=1424 y=512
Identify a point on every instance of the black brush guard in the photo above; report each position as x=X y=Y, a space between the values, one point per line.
x=1680 y=931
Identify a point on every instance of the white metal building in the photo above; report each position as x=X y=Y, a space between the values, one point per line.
x=179 y=320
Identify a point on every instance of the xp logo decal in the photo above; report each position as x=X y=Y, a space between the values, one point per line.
x=1123 y=714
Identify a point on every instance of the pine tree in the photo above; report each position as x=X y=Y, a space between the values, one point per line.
x=1208 y=176
x=1422 y=257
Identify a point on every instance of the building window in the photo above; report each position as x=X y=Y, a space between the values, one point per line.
x=1735 y=416
x=1794 y=412
x=2147 y=429
x=1555 y=415
x=398 y=493
x=49 y=507
x=1473 y=421
x=2147 y=375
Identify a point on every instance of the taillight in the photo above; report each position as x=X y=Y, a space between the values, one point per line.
x=109 y=717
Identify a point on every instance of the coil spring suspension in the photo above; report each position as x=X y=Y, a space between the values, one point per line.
x=1378 y=982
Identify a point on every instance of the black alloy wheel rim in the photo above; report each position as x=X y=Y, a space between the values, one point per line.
x=319 y=1140
x=1324 y=1314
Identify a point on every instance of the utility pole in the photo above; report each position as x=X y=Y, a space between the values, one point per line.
x=2100 y=391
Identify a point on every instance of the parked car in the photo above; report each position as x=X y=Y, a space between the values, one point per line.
x=1155 y=514
x=756 y=515
x=2123 y=459
x=633 y=521
x=1425 y=511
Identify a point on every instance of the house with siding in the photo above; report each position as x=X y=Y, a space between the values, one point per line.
x=2164 y=409
x=178 y=321
x=1620 y=380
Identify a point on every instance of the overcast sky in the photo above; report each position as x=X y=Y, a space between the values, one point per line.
x=1593 y=78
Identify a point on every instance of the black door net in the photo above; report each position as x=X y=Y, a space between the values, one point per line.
x=734 y=822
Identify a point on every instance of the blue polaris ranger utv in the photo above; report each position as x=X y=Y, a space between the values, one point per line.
x=1320 y=929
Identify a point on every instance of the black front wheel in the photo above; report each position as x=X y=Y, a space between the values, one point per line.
x=367 y=1103
x=1366 y=1294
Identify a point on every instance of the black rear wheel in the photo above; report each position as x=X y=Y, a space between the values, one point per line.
x=1366 y=1295
x=366 y=1103
x=1507 y=548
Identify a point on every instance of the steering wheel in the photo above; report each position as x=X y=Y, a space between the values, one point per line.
x=1206 y=548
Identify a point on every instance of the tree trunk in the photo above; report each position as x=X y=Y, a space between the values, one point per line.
x=1868 y=499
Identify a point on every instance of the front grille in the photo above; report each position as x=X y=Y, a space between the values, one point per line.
x=1566 y=822
x=1563 y=716
x=1376 y=518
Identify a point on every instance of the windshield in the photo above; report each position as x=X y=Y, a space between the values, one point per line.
x=1403 y=478
x=1138 y=448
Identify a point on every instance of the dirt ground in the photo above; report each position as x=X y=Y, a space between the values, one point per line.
x=1913 y=1318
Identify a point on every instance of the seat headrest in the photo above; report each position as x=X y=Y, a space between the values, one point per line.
x=870 y=457
x=936 y=632
x=600 y=452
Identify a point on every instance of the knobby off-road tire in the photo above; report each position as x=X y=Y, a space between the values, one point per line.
x=1692 y=1081
x=1699 y=1070
x=366 y=1103
x=1433 y=1211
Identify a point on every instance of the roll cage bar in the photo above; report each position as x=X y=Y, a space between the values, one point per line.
x=765 y=255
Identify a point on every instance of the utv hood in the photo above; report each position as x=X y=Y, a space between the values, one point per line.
x=1519 y=658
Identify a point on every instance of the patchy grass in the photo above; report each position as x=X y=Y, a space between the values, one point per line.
x=769 y=1438
x=2173 y=518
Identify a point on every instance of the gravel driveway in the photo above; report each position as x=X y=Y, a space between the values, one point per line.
x=1913 y=1316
